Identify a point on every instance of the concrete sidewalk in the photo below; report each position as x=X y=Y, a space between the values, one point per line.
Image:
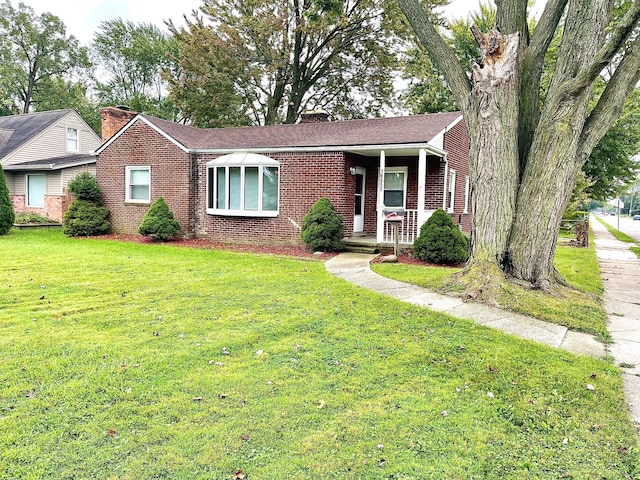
x=620 y=270
x=621 y=275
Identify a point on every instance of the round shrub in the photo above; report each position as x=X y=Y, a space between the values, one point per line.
x=84 y=218
x=7 y=215
x=322 y=227
x=84 y=186
x=158 y=222
x=440 y=241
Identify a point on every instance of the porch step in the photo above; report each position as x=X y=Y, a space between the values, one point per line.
x=360 y=247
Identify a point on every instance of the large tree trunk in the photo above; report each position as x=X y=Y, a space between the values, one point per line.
x=525 y=158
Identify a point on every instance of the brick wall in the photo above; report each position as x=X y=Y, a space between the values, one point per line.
x=54 y=206
x=456 y=143
x=170 y=177
x=304 y=178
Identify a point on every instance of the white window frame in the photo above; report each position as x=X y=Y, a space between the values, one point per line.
x=404 y=170
x=128 y=170
x=452 y=191
x=26 y=190
x=76 y=140
x=241 y=161
x=466 y=194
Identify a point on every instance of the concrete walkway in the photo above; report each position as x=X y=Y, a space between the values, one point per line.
x=621 y=275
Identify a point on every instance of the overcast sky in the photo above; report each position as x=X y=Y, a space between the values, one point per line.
x=83 y=17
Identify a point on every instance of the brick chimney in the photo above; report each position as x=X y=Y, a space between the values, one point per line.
x=113 y=119
x=316 y=116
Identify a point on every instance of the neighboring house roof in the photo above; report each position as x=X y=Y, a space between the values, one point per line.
x=408 y=130
x=16 y=130
x=56 y=163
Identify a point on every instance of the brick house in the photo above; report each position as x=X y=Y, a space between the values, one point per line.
x=256 y=184
x=40 y=153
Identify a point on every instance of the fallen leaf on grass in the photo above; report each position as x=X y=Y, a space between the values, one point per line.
x=590 y=387
x=222 y=395
x=31 y=394
x=239 y=475
x=623 y=450
x=197 y=399
x=321 y=404
x=112 y=433
x=490 y=395
x=444 y=413
x=245 y=438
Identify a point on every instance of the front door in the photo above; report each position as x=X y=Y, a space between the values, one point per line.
x=358 y=201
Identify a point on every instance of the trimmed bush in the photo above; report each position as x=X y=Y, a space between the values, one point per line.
x=84 y=186
x=440 y=241
x=85 y=218
x=322 y=227
x=7 y=215
x=158 y=222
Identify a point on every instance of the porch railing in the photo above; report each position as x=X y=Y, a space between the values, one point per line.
x=407 y=231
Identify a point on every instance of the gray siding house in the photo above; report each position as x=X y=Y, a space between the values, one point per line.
x=40 y=153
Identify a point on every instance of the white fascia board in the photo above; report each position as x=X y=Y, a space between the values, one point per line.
x=327 y=148
x=438 y=139
x=49 y=166
x=129 y=124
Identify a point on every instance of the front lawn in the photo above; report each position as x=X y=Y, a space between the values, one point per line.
x=137 y=361
x=579 y=309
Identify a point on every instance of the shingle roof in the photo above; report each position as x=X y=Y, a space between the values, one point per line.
x=16 y=130
x=53 y=163
x=411 y=129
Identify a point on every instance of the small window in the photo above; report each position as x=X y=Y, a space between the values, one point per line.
x=138 y=184
x=72 y=140
x=243 y=184
x=36 y=189
x=395 y=187
x=466 y=194
x=452 y=191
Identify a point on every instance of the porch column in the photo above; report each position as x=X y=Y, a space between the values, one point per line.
x=380 y=213
x=422 y=182
x=445 y=183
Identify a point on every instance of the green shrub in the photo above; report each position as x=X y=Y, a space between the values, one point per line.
x=322 y=227
x=440 y=241
x=85 y=218
x=84 y=186
x=30 y=217
x=158 y=222
x=7 y=215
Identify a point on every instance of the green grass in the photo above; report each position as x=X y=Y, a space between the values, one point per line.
x=112 y=367
x=623 y=237
x=580 y=309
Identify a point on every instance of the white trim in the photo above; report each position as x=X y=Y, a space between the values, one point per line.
x=422 y=185
x=466 y=194
x=240 y=159
x=66 y=138
x=379 y=198
x=363 y=172
x=451 y=191
x=127 y=194
x=405 y=171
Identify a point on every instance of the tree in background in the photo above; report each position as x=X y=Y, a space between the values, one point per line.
x=7 y=215
x=529 y=143
x=265 y=62
x=134 y=57
x=34 y=49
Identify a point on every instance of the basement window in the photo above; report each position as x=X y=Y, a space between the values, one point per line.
x=243 y=184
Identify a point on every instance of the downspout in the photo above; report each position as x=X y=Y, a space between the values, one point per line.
x=446 y=181
x=422 y=183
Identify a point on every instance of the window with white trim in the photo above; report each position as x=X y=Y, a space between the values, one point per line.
x=36 y=189
x=243 y=184
x=138 y=180
x=73 y=144
x=452 y=191
x=395 y=187
x=466 y=194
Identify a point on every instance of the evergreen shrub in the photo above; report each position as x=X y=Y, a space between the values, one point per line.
x=84 y=218
x=322 y=227
x=440 y=241
x=7 y=215
x=158 y=222
x=84 y=186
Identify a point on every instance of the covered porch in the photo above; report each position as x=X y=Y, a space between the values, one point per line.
x=409 y=182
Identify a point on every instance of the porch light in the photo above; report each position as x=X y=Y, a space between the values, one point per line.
x=352 y=170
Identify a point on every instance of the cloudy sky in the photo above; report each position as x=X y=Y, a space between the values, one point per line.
x=82 y=18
